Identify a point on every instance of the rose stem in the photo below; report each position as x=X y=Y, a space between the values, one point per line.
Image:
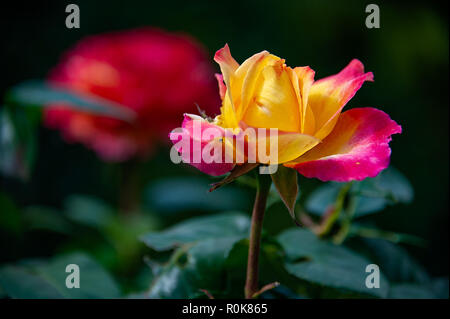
x=262 y=191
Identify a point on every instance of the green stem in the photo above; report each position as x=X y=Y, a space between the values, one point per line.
x=331 y=219
x=259 y=207
x=347 y=221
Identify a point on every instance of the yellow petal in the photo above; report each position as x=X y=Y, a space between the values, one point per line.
x=274 y=102
x=228 y=66
x=247 y=75
x=227 y=117
x=289 y=146
x=302 y=79
x=328 y=96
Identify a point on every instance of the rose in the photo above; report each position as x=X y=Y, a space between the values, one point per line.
x=154 y=73
x=315 y=138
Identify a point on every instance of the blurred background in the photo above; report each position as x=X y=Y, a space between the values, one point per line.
x=408 y=55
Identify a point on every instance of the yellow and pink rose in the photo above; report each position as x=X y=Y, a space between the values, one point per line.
x=315 y=137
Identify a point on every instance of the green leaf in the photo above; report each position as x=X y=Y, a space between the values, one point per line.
x=271 y=266
x=10 y=218
x=174 y=195
x=325 y=196
x=390 y=184
x=321 y=262
x=322 y=198
x=18 y=135
x=436 y=288
x=120 y=232
x=410 y=291
x=45 y=218
x=38 y=93
x=200 y=228
x=20 y=282
x=285 y=181
x=21 y=116
x=88 y=211
x=47 y=279
x=217 y=265
x=123 y=233
x=373 y=194
x=440 y=287
x=204 y=244
x=396 y=263
x=201 y=266
x=8 y=152
x=95 y=282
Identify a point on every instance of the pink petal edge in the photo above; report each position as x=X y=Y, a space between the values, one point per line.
x=214 y=169
x=365 y=154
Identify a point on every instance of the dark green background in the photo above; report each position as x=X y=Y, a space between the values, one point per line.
x=408 y=55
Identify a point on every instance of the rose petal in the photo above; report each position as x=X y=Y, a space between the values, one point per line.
x=358 y=147
x=290 y=145
x=222 y=86
x=228 y=66
x=274 y=103
x=247 y=76
x=329 y=95
x=302 y=80
x=194 y=138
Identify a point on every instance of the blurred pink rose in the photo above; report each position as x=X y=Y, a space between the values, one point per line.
x=156 y=74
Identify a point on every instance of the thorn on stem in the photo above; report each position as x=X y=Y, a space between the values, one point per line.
x=266 y=288
x=207 y=293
